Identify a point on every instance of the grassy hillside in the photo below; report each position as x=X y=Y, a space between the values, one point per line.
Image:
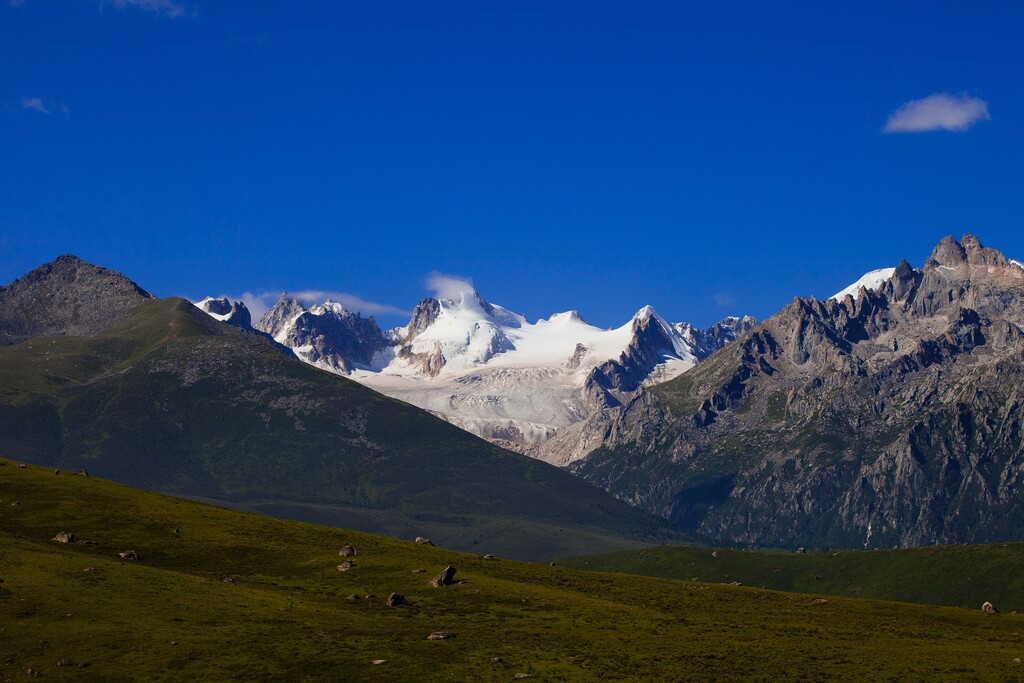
x=956 y=575
x=222 y=595
x=175 y=401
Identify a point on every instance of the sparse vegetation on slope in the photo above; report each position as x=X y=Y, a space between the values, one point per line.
x=955 y=575
x=222 y=595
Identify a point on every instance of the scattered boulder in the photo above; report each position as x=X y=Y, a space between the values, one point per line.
x=441 y=635
x=444 y=578
x=396 y=600
x=522 y=675
x=419 y=571
x=714 y=553
x=423 y=541
x=801 y=551
x=819 y=601
x=371 y=596
x=347 y=551
x=15 y=503
x=552 y=564
x=488 y=556
x=56 y=473
x=64 y=537
x=22 y=466
x=83 y=473
x=89 y=569
x=496 y=660
x=989 y=608
x=345 y=566
x=63 y=662
x=129 y=555
x=378 y=662
x=352 y=598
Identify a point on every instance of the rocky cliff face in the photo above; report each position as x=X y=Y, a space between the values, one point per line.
x=67 y=297
x=890 y=418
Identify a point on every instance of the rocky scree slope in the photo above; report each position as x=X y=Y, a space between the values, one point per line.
x=492 y=372
x=66 y=297
x=890 y=418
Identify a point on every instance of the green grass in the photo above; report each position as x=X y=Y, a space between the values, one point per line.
x=284 y=616
x=954 y=575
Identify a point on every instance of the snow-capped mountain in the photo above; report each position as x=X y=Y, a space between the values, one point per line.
x=489 y=370
x=233 y=313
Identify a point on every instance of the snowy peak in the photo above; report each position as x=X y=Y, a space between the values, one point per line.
x=490 y=370
x=224 y=310
x=869 y=281
x=326 y=335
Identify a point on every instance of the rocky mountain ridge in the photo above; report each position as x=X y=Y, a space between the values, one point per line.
x=893 y=416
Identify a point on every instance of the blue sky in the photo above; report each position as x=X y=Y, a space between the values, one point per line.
x=704 y=158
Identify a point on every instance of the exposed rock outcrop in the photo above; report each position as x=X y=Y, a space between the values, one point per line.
x=890 y=418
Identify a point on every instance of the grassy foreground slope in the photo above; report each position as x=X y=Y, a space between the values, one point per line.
x=233 y=596
x=172 y=400
x=955 y=575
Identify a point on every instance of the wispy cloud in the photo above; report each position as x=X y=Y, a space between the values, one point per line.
x=261 y=302
x=165 y=8
x=34 y=104
x=724 y=299
x=446 y=286
x=940 y=111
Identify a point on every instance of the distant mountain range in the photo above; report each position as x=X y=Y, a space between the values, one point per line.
x=489 y=370
x=889 y=415
x=159 y=395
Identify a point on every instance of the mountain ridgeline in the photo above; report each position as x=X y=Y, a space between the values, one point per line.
x=892 y=417
x=492 y=372
x=171 y=399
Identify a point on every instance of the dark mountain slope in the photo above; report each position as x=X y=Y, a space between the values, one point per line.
x=891 y=419
x=67 y=297
x=173 y=400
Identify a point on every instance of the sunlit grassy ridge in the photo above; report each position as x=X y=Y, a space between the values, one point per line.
x=233 y=596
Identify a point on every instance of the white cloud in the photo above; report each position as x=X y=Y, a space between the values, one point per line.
x=447 y=286
x=940 y=111
x=260 y=303
x=166 y=8
x=34 y=104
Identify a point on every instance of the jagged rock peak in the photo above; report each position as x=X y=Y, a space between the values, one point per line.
x=951 y=254
x=423 y=316
x=280 y=316
x=221 y=308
